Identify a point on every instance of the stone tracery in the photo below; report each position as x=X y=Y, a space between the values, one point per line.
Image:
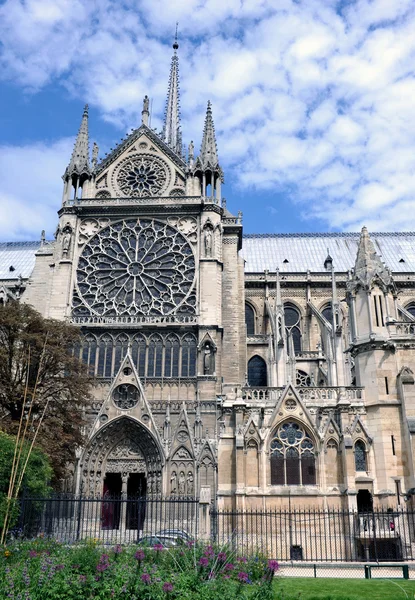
x=136 y=267
x=141 y=175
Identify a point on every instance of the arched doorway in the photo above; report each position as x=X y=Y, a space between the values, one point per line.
x=122 y=462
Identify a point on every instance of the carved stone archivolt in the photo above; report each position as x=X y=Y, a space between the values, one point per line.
x=123 y=446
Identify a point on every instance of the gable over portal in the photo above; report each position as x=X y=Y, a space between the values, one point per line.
x=143 y=165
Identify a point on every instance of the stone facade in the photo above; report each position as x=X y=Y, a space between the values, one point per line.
x=281 y=386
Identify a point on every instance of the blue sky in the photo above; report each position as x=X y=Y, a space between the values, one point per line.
x=313 y=102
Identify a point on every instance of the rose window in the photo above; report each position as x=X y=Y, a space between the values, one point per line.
x=125 y=396
x=142 y=175
x=136 y=267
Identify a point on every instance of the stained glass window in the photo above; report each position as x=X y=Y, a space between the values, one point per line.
x=249 y=319
x=257 y=372
x=292 y=456
x=360 y=456
x=292 y=327
x=154 y=355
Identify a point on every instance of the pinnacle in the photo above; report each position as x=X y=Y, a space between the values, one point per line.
x=368 y=262
x=208 y=150
x=79 y=162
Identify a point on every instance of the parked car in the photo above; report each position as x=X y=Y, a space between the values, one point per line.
x=167 y=537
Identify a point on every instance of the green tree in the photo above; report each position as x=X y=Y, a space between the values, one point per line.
x=37 y=363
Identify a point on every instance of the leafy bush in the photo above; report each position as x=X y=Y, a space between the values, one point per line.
x=37 y=476
x=47 y=570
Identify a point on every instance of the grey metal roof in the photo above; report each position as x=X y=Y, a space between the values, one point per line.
x=307 y=251
x=18 y=255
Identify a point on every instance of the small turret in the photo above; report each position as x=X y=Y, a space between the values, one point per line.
x=78 y=171
x=206 y=166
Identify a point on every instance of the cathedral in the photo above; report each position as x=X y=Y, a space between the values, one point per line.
x=256 y=370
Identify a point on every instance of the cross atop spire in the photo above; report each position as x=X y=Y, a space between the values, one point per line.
x=209 y=150
x=171 y=130
x=79 y=163
x=368 y=263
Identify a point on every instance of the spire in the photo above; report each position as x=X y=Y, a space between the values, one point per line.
x=368 y=263
x=79 y=163
x=171 y=130
x=208 y=150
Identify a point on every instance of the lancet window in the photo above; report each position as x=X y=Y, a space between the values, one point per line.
x=154 y=355
x=292 y=327
x=249 y=319
x=360 y=456
x=292 y=456
x=257 y=372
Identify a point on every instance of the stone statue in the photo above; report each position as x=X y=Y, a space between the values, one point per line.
x=146 y=103
x=207 y=359
x=66 y=240
x=173 y=483
x=182 y=484
x=191 y=151
x=208 y=242
x=95 y=150
x=190 y=484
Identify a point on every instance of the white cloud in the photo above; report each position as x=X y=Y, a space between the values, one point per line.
x=303 y=96
x=31 y=190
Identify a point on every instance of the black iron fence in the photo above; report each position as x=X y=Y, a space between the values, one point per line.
x=109 y=520
x=318 y=535
x=301 y=536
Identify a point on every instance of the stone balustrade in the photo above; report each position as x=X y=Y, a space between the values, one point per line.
x=401 y=328
x=308 y=394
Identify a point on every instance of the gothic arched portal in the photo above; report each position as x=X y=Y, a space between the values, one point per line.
x=121 y=452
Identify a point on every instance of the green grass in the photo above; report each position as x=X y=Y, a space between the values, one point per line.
x=345 y=589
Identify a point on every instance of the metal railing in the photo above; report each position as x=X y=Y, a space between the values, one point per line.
x=299 y=535
x=111 y=520
x=318 y=535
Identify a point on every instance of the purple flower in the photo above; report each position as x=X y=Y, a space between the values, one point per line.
x=102 y=567
x=139 y=555
x=97 y=577
x=209 y=551
x=222 y=556
x=32 y=553
x=104 y=558
x=242 y=559
x=190 y=544
x=243 y=577
x=82 y=578
x=226 y=576
x=158 y=547
x=59 y=567
x=273 y=565
x=117 y=549
x=167 y=587
x=229 y=567
x=204 y=561
x=145 y=578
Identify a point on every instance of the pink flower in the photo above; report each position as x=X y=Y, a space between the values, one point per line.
x=204 y=561
x=222 y=556
x=209 y=551
x=273 y=565
x=229 y=567
x=167 y=587
x=32 y=553
x=158 y=547
x=145 y=578
x=118 y=549
x=243 y=577
x=242 y=559
x=104 y=558
x=102 y=567
x=139 y=555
